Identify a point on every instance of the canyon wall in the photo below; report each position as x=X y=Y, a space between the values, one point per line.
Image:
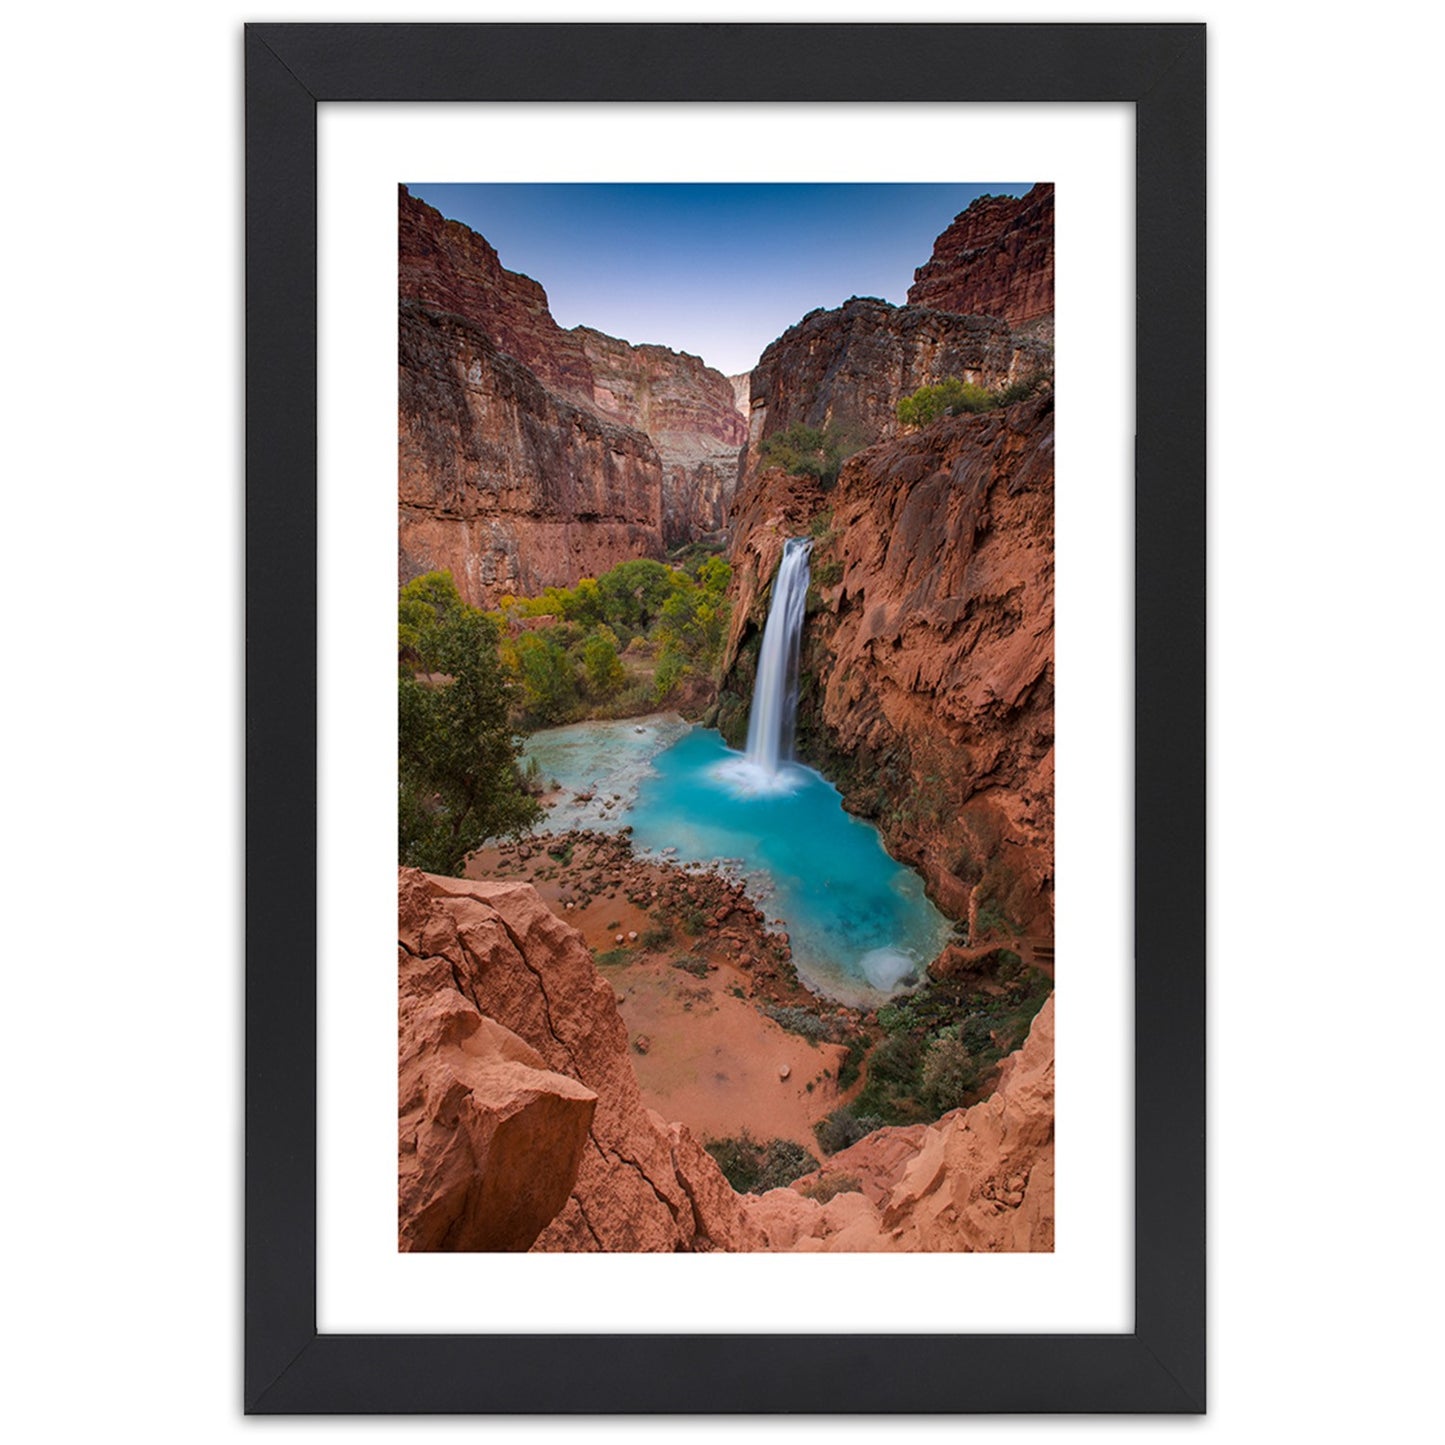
x=849 y=368
x=691 y=414
x=927 y=671
x=521 y=1124
x=483 y=493
x=505 y=483
x=996 y=259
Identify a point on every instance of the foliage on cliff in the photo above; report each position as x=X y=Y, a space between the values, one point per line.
x=954 y=397
x=457 y=778
x=805 y=451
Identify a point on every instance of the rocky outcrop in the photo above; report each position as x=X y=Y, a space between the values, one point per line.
x=849 y=368
x=504 y=483
x=444 y=266
x=658 y=470
x=980 y=1179
x=927 y=670
x=996 y=259
x=690 y=413
x=507 y=1026
x=521 y=1124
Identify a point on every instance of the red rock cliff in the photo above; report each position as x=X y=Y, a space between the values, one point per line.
x=690 y=412
x=506 y=1024
x=504 y=483
x=684 y=412
x=996 y=259
x=927 y=689
x=850 y=367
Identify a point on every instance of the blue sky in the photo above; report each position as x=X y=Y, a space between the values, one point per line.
x=717 y=270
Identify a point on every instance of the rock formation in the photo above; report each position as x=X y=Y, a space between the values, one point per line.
x=690 y=412
x=645 y=458
x=996 y=259
x=850 y=367
x=490 y=977
x=503 y=482
x=980 y=1179
x=521 y=1124
x=928 y=651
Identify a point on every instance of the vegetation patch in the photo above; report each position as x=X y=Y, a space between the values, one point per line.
x=954 y=397
x=752 y=1167
x=830 y=1186
x=813 y=1027
x=805 y=451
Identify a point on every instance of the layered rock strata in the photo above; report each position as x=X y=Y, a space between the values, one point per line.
x=848 y=369
x=478 y=476
x=996 y=259
x=504 y=483
x=927 y=690
x=690 y=413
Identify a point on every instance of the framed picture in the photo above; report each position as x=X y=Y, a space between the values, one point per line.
x=1083 y=1288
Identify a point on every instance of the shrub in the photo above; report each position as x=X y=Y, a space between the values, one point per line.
x=804 y=1021
x=658 y=937
x=697 y=967
x=843 y=1127
x=613 y=957
x=754 y=1168
x=805 y=451
x=829 y=1186
x=949 y=1075
x=948 y=397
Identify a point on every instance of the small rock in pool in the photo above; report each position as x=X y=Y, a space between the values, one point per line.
x=639 y=730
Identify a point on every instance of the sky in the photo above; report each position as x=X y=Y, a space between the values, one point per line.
x=716 y=270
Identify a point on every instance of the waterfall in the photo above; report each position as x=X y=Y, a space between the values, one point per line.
x=775 y=694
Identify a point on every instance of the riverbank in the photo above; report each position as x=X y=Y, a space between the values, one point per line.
x=695 y=970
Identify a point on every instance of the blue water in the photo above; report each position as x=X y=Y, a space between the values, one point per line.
x=859 y=923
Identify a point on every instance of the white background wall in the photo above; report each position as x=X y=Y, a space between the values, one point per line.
x=122 y=476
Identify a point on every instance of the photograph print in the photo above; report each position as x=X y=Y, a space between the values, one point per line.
x=725 y=784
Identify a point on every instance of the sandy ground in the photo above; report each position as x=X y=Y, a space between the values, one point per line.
x=704 y=1052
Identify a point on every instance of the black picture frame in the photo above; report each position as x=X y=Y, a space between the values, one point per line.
x=292 y=1369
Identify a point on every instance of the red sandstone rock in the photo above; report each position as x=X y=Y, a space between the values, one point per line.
x=640 y=1184
x=494 y=436
x=980 y=1179
x=996 y=259
x=849 y=368
x=502 y=482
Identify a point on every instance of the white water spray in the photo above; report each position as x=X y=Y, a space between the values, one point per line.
x=775 y=694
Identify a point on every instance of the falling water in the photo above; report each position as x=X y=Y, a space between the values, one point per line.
x=775 y=694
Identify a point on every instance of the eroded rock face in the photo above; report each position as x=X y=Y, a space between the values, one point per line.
x=849 y=368
x=996 y=259
x=980 y=1179
x=691 y=414
x=504 y=483
x=487 y=374
x=493 y=952
x=928 y=650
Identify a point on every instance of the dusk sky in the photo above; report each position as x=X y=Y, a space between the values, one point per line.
x=717 y=270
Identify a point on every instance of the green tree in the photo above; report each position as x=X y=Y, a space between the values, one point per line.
x=633 y=593
x=457 y=778
x=601 y=664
